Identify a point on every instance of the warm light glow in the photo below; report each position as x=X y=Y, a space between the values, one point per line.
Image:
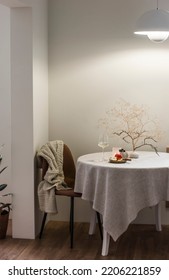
x=158 y=37
x=155 y=36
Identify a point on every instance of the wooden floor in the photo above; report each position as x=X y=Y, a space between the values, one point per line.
x=139 y=242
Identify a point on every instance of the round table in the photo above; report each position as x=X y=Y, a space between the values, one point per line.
x=120 y=191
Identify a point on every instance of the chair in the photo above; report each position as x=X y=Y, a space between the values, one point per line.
x=69 y=174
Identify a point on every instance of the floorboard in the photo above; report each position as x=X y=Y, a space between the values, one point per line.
x=139 y=242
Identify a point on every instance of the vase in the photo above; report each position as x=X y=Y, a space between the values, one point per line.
x=4 y=217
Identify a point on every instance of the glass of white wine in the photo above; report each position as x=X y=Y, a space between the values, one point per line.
x=103 y=143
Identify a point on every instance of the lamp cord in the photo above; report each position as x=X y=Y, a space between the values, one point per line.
x=157 y=4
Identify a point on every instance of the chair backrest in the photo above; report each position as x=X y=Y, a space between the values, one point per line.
x=68 y=166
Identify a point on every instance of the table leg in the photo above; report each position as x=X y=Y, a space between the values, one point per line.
x=92 y=221
x=106 y=242
x=158 y=217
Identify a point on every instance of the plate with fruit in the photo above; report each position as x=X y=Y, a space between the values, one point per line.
x=117 y=159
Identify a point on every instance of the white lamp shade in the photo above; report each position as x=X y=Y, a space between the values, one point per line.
x=154 y=24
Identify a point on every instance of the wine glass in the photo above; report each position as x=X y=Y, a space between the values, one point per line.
x=103 y=142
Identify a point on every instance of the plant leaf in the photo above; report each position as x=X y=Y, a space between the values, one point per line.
x=3 y=169
x=3 y=186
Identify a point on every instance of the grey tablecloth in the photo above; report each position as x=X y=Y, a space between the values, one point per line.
x=120 y=191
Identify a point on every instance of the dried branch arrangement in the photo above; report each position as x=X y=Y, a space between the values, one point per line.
x=132 y=124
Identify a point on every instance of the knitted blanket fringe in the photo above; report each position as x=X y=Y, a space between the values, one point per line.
x=52 y=152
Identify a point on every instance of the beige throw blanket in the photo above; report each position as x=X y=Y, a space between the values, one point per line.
x=52 y=152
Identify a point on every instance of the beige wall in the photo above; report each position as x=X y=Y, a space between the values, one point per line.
x=22 y=123
x=5 y=101
x=35 y=104
x=28 y=107
x=94 y=59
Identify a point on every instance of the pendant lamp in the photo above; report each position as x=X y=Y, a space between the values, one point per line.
x=154 y=24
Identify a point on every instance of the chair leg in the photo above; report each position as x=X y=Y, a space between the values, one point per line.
x=71 y=221
x=93 y=219
x=43 y=224
x=100 y=225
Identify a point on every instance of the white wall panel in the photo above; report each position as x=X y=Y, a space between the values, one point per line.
x=5 y=95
